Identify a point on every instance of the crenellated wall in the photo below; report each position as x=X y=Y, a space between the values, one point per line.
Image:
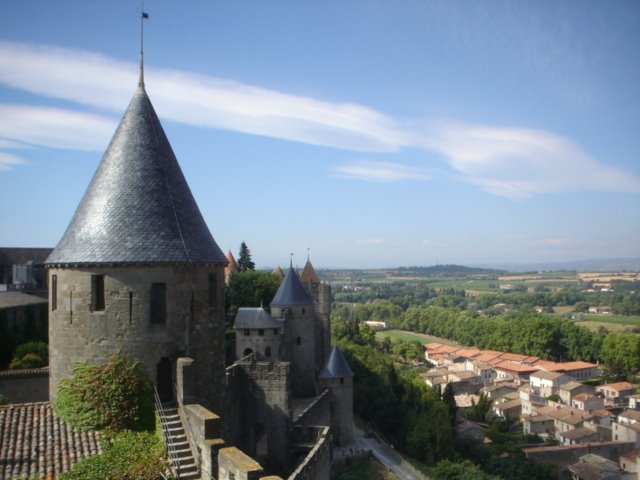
x=258 y=415
x=317 y=463
x=317 y=412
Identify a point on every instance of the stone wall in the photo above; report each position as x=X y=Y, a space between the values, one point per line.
x=258 y=415
x=316 y=465
x=233 y=464
x=565 y=456
x=194 y=326
x=203 y=428
x=322 y=298
x=318 y=412
x=25 y=386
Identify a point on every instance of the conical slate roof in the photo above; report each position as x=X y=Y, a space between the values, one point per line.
x=309 y=274
x=337 y=366
x=232 y=265
x=278 y=272
x=291 y=292
x=138 y=207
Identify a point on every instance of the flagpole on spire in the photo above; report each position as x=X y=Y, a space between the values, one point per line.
x=143 y=16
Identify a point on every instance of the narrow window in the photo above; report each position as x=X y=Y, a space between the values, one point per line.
x=212 y=289
x=54 y=292
x=261 y=332
x=97 y=293
x=267 y=352
x=303 y=311
x=130 y=308
x=158 y=304
x=342 y=381
x=70 y=308
x=247 y=332
x=298 y=340
x=275 y=331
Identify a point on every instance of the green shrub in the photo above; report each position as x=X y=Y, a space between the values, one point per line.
x=125 y=455
x=3 y=400
x=117 y=395
x=30 y=355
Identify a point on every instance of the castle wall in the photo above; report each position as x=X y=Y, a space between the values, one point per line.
x=316 y=465
x=25 y=386
x=318 y=412
x=258 y=395
x=271 y=338
x=194 y=323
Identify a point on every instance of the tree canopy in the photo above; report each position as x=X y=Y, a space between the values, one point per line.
x=244 y=259
x=251 y=288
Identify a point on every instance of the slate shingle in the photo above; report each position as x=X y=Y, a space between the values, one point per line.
x=138 y=207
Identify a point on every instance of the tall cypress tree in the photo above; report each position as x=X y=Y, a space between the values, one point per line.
x=244 y=259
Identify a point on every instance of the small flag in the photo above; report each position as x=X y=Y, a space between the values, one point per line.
x=145 y=15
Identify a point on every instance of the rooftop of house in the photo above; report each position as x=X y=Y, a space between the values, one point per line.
x=255 y=318
x=572 y=385
x=513 y=367
x=594 y=467
x=19 y=299
x=577 y=433
x=309 y=275
x=631 y=414
x=21 y=256
x=618 y=386
x=631 y=455
x=37 y=443
x=571 y=366
x=544 y=375
x=583 y=397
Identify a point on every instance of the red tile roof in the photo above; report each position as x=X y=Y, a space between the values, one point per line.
x=34 y=442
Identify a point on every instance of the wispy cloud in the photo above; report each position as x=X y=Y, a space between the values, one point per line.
x=520 y=162
x=8 y=161
x=374 y=171
x=505 y=161
x=53 y=127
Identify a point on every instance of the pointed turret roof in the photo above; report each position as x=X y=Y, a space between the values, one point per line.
x=336 y=366
x=278 y=272
x=232 y=265
x=138 y=207
x=291 y=292
x=309 y=274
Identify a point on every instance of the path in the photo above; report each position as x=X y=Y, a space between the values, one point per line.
x=388 y=457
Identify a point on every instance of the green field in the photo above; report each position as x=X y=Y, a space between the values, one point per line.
x=411 y=337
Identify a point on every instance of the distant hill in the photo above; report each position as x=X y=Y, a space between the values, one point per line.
x=449 y=271
x=592 y=265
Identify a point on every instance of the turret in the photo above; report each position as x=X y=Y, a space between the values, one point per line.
x=293 y=305
x=338 y=378
x=137 y=271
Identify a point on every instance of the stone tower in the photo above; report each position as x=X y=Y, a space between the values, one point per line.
x=321 y=294
x=137 y=270
x=294 y=306
x=338 y=378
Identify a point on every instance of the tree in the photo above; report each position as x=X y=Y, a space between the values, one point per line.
x=448 y=397
x=620 y=354
x=251 y=288
x=244 y=259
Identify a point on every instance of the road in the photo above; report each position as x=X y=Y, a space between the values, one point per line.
x=388 y=457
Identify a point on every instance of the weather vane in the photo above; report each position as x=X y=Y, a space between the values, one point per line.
x=143 y=16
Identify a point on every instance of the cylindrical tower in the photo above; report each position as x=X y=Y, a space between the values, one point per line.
x=137 y=270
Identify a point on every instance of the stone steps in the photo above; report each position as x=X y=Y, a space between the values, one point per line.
x=183 y=464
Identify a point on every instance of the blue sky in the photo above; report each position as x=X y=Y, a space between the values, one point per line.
x=372 y=133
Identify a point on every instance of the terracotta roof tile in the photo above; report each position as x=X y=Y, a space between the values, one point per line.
x=34 y=442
